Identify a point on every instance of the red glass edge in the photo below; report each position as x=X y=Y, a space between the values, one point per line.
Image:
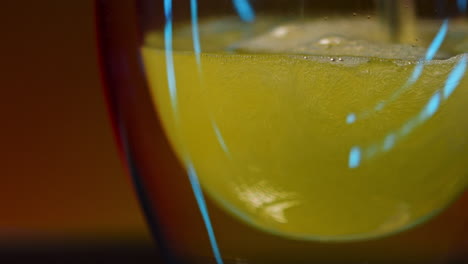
x=103 y=76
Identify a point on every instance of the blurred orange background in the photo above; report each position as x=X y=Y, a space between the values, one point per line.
x=60 y=173
x=61 y=177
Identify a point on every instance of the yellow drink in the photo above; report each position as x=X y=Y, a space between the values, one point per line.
x=331 y=147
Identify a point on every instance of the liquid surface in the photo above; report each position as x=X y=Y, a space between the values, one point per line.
x=313 y=129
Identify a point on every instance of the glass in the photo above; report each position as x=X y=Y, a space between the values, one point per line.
x=294 y=131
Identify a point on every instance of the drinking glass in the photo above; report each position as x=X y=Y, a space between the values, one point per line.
x=299 y=131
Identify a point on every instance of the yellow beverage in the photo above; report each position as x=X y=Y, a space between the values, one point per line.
x=326 y=141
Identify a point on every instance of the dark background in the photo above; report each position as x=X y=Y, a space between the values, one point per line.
x=63 y=190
